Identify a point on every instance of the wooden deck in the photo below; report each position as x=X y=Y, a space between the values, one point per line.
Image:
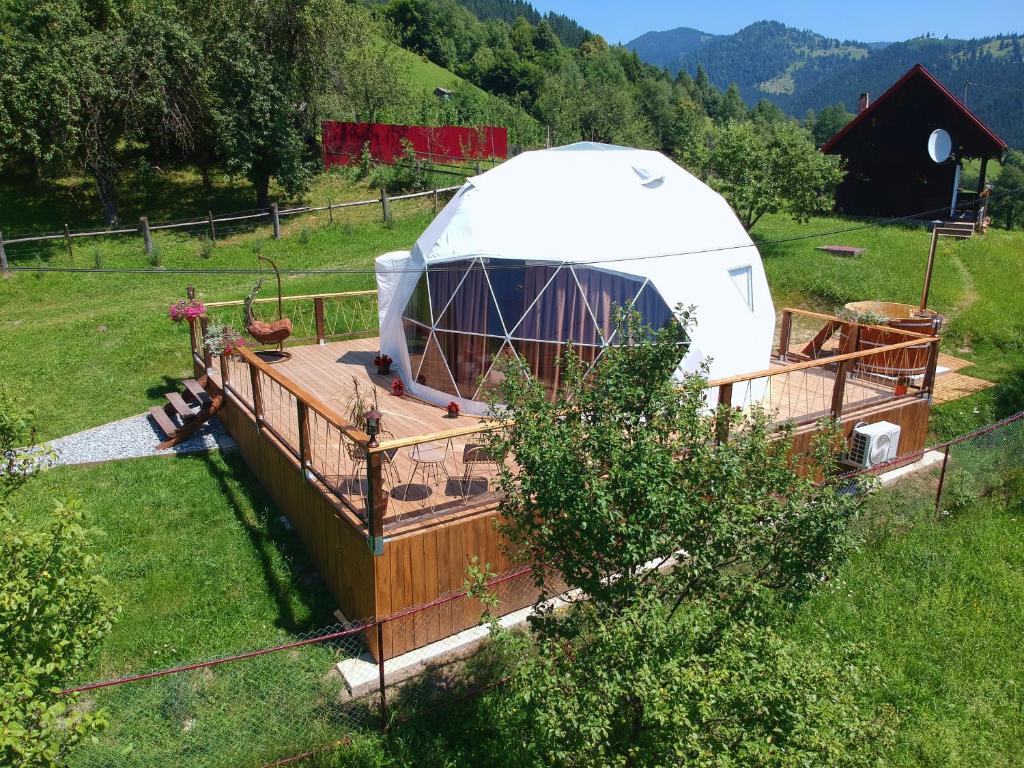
x=421 y=494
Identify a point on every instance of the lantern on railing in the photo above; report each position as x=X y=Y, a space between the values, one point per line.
x=373 y=427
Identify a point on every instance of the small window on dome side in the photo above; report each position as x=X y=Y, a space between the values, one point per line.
x=743 y=279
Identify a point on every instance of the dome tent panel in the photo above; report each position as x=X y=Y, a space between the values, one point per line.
x=598 y=224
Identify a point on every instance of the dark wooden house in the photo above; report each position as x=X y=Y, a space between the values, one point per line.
x=889 y=170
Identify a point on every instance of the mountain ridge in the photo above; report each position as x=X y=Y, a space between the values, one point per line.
x=801 y=70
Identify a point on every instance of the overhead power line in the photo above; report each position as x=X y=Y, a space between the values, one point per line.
x=872 y=224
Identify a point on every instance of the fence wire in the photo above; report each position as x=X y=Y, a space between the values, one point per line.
x=307 y=696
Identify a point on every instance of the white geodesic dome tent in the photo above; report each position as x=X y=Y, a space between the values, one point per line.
x=543 y=248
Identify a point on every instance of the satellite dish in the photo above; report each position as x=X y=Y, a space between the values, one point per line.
x=940 y=146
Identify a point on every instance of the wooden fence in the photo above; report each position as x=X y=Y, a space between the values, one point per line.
x=209 y=223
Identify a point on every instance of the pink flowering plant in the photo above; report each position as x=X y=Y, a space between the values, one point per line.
x=186 y=309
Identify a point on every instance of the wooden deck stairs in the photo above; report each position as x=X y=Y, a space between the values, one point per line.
x=184 y=412
x=962 y=230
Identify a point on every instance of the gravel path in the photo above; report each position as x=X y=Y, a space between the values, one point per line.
x=133 y=438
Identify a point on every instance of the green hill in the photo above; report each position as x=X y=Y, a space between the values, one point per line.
x=800 y=70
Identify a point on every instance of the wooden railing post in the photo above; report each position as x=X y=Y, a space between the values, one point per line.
x=257 y=399
x=784 y=334
x=304 y=454
x=384 y=205
x=318 y=312
x=376 y=500
x=204 y=325
x=223 y=372
x=928 y=385
x=724 y=413
x=839 y=389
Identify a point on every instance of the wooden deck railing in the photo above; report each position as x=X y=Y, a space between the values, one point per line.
x=867 y=365
x=316 y=318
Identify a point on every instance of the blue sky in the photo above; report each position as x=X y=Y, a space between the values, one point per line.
x=866 y=20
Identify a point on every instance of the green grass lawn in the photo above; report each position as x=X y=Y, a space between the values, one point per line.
x=194 y=553
x=86 y=349
x=938 y=610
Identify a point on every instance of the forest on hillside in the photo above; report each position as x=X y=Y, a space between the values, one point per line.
x=104 y=92
x=800 y=70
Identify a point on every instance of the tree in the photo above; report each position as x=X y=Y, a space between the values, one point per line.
x=1007 y=206
x=769 y=169
x=829 y=122
x=683 y=549
x=52 y=614
x=83 y=83
x=371 y=77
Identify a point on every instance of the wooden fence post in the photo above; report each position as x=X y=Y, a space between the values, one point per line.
x=942 y=481
x=724 y=413
x=784 y=335
x=928 y=385
x=223 y=372
x=275 y=220
x=318 y=312
x=330 y=211
x=384 y=205
x=257 y=399
x=213 y=232
x=67 y=240
x=147 y=236
x=3 y=258
x=435 y=199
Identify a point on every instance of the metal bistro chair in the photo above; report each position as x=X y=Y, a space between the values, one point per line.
x=430 y=461
x=475 y=455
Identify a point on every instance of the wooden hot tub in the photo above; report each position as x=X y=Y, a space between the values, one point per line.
x=902 y=363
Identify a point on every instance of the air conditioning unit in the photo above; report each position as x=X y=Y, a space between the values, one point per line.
x=873 y=444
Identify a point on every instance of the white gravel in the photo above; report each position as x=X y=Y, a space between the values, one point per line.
x=133 y=438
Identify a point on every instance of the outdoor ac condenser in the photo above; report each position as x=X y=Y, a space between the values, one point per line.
x=873 y=444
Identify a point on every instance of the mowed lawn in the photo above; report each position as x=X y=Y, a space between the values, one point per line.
x=193 y=552
x=937 y=608
x=86 y=349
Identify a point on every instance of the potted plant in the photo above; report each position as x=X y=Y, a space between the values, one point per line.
x=453 y=410
x=397 y=388
x=185 y=309
x=383 y=363
x=222 y=340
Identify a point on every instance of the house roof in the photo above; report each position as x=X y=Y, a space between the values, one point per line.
x=918 y=71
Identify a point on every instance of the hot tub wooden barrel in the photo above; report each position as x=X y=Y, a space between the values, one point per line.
x=903 y=363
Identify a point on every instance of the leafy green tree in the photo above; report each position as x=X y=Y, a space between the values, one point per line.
x=829 y=122
x=371 y=79
x=766 y=170
x=83 y=82
x=731 y=106
x=686 y=549
x=52 y=613
x=1007 y=206
x=646 y=689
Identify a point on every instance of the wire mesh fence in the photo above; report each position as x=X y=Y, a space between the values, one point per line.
x=313 y=694
x=316 y=693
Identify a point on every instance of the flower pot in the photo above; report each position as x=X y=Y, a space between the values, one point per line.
x=383 y=370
